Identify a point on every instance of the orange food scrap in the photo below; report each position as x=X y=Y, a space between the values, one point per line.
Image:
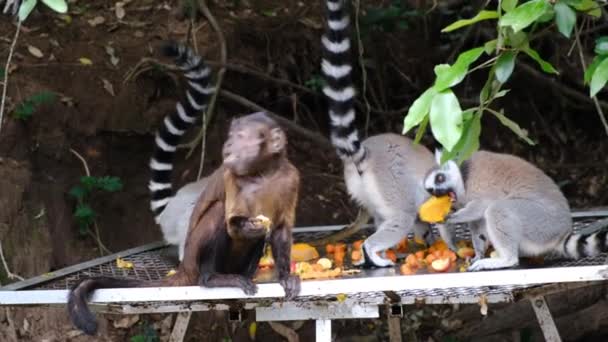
x=330 y=249
x=355 y=255
x=412 y=261
x=407 y=270
x=440 y=265
x=339 y=257
x=430 y=258
x=440 y=245
x=340 y=247
x=402 y=246
x=358 y=244
x=303 y=252
x=419 y=255
x=391 y=255
x=465 y=252
x=435 y=209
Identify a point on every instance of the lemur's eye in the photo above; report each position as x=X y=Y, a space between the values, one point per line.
x=439 y=178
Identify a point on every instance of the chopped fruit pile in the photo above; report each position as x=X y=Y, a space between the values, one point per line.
x=338 y=251
x=437 y=258
x=435 y=209
x=303 y=252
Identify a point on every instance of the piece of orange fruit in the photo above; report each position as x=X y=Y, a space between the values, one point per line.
x=435 y=209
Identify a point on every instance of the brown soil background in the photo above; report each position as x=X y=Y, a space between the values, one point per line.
x=114 y=132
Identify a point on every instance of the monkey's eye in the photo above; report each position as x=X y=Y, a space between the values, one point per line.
x=261 y=135
x=439 y=178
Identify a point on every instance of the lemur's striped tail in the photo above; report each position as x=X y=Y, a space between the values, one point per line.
x=174 y=125
x=339 y=89
x=578 y=246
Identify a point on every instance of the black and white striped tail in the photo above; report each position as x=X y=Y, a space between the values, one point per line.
x=175 y=125
x=578 y=246
x=339 y=89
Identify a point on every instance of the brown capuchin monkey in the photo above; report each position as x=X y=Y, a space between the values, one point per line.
x=226 y=237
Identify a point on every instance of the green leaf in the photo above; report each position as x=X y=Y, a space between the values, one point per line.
x=598 y=80
x=84 y=211
x=419 y=110
x=446 y=119
x=24 y=110
x=59 y=6
x=589 y=7
x=2 y=72
x=601 y=45
x=591 y=68
x=469 y=142
x=504 y=66
x=42 y=97
x=508 y=5
x=501 y=93
x=544 y=65
x=482 y=15
x=449 y=77
x=490 y=46
x=26 y=8
x=109 y=184
x=565 y=18
x=421 y=129
x=88 y=182
x=524 y=15
x=78 y=192
x=517 y=39
x=513 y=126
x=547 y=16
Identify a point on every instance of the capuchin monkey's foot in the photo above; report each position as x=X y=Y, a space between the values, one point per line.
x=291 y=285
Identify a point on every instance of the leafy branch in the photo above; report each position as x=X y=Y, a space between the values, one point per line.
x=458 y=130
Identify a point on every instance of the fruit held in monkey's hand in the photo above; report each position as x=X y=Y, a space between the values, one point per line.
x=435 y=209
x=303 y=252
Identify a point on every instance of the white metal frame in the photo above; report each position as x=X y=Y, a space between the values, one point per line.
x=196 y=298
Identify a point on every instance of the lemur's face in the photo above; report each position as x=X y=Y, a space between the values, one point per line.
x=444 y=179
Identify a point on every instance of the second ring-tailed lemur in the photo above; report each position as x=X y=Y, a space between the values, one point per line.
x=511 y=204
x=173 y=213
x=383 y=173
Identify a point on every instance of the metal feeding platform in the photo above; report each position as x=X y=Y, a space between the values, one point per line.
x=354 y=296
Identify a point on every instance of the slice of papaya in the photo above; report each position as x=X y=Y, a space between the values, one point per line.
x=435 y=209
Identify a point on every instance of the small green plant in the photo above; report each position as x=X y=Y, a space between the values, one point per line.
x=596 y=74
x=458 y=130
x=388 y=19
x=148 y=334
x=84 y=213
x=316 y=83
x=59 y=6
x=25 y=109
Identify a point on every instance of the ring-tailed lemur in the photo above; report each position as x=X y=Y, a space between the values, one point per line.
x=512 y=204
x=383 y=173
x=172 y=213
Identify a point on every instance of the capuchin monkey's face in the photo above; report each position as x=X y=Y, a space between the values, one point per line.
x=254 y=141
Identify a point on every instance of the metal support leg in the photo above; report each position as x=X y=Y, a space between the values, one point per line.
x=323 y=330
x=180 y=326
x=395 y=313
x=545 y=320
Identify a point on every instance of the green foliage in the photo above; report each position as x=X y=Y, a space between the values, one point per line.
x=458 y=130
x=148 y=334
x=483 y=15
x=2 y=72
x=387 y=19
x=25 y=109
x=83 y=213
x=27 y=7
x=316 y=83
x=596 y=74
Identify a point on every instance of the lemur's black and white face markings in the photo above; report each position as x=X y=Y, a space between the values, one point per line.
x=445 y=179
